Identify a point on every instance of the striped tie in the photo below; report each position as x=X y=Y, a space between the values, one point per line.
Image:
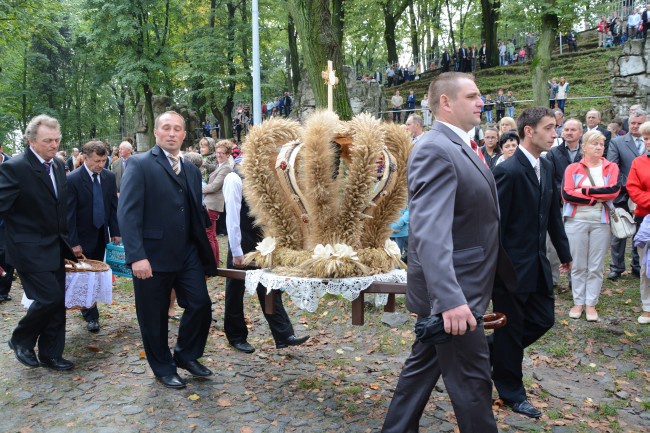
x=175 y=166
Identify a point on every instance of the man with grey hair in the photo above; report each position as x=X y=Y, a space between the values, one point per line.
x=33 y=204
x=559 y=121
x=593 y=123
x=72 y=161
x=415 y=126
x=623 y=151
x=626 y=121
x=119 y=165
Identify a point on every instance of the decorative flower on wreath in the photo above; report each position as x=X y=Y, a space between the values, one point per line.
x=343 y=251
x=266 y=247
x=391 y=248
x=322 y=252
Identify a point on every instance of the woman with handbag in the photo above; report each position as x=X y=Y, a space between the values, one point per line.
x=587 y=186
x=638 y=187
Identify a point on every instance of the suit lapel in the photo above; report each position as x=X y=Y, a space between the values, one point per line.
x=528 y=168
x=164 y=162
x=629 y=141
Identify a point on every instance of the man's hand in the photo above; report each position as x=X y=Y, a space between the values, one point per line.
x=565 y=267
x=78 y=251
x=457 y=318
x=238 y=261
x=142 y=269
x=116 y=240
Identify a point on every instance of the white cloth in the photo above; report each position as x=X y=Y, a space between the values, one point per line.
x=84 y=289
x=232 y=195
x=307 y=292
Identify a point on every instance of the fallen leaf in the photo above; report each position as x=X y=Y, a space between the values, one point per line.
x=142 y=355
x=194 y=415
x=374 y=386
x=339 y=351
x=193 y=397
x=246 y=430
x=93 y=348
x=223 y=402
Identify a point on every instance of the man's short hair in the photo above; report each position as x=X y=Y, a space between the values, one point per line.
x=445 y=84
x=531 y=116
x=573 y=119
x=96 y=147
x=126 y=145
x=558 y=111
x=639 y=112
x=593 y=110
x=155 y=123
x=416 y=119
x=41 y=120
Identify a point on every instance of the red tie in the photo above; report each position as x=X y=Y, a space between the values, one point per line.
x=478 y=152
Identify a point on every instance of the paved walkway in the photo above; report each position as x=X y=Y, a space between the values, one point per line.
x=340 y=381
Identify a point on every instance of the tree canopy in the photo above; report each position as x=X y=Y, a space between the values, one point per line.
x=91 y=62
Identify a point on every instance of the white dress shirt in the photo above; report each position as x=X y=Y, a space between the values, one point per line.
x=232 y=194
x=180 y=160
x=52 y=178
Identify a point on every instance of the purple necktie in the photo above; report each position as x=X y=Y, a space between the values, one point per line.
x=48 y=167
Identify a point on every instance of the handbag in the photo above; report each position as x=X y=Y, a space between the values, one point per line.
x=621 y=222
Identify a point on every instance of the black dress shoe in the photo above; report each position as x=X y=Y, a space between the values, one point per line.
x=25 y=356
x=172 y=381
x=5 y=298
x=525 y=408
x=243 y=347
x=58 y=364
x=291 y=341
x=613 y=275
x=195 y=368
x=92 y=326
x=636 y=273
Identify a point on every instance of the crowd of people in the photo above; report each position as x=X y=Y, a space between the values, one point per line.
x=493 y=214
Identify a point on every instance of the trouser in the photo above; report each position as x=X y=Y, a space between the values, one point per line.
x=560 y=104
x=645 y=281
x=500 y=114
x=5 y=282
x=511 y=111
x=588 y=242
x=601 y=39
x=530 y=316
x=44 y=322
x=234 y=322
x=488 y=116
x=397 y=115
x=464 y=365
x=152 y=298
x=211 y=232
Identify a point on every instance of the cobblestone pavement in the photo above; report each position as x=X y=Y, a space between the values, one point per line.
x=341 y=380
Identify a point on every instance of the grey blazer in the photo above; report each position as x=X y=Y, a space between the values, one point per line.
x=454 y=247
x=214 y=189
x=622 y=151
x=116 y=168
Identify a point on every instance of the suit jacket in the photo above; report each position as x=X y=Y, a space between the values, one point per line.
x=623 y=151
x=606 y=133
x=560 y=160
x=454 y=249
x=213 y=191
x=527 y=213
x=80 y=208
x=152 y=216
x=69 y=163
x=34 y=216
x=116 y=168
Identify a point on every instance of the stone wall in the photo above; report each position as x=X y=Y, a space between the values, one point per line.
x=630 y=74
x=162 y=103
x=364 y=97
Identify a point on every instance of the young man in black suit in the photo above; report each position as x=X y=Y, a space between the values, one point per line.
x=163 y=230
x=6 y=278
x=33 y=202
x=92 y=212
x=530 y=206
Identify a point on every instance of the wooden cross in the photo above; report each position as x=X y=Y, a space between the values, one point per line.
x=331 y=80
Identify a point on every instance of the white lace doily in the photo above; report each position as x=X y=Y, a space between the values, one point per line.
x=307 y=292
x=84 y=289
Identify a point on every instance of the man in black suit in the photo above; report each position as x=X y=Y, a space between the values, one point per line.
x=463 y=59
x=70 y=162
x=445 y=61
x=33 y=202
x=455 y=258
x=593 y=122
x=92 y=212
x=6 y=278
x=163 y=226
x=530 y=206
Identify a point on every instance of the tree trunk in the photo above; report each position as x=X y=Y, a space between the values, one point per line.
x=24 y=91
x=490 y=13
x=389 y=36
x=451 y=30
x=542 y=62
x=293 y=55
x=338 y=19
x=148 y=110
x=313 y=21
x=415 y=46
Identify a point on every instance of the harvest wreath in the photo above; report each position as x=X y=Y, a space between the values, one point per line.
x=325 y=194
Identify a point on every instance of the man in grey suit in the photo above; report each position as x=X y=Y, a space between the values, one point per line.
x=622 y=151
x=125 y=150
x=455 y=260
